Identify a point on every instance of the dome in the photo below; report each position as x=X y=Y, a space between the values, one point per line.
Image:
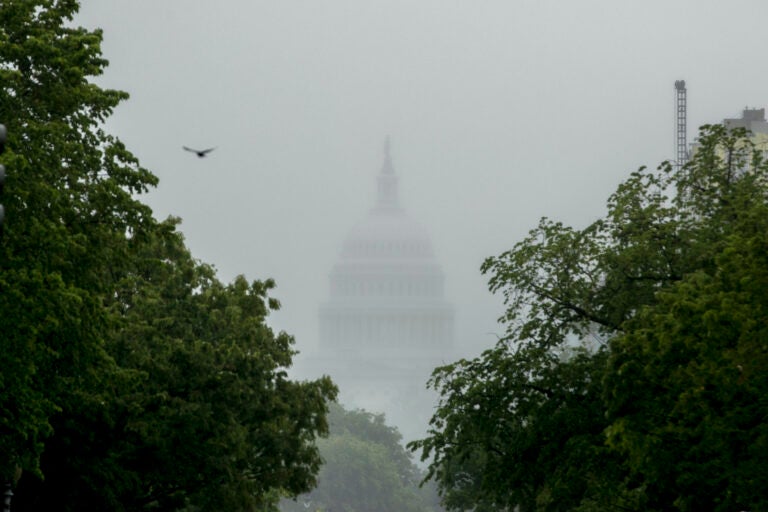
x=387 y=287
x=387 y=234
x=386 y=324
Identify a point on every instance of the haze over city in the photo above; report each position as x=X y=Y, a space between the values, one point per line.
x=172 y=171
x=499 y=113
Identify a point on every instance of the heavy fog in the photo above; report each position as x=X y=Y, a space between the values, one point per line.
x=499 y=112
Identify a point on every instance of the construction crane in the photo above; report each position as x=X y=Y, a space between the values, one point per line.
x=681 y=129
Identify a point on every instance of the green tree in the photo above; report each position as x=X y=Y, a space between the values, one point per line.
x=70 y=209
x=202 y=414
x=133 y=379
x=365 y=468
x=687 y=385
x=521 y=428
x=524 y=425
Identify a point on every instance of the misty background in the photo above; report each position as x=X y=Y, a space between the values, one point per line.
x=499 y=112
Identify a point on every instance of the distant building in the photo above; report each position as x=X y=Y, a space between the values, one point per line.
x=386 y=324
x=753 y=119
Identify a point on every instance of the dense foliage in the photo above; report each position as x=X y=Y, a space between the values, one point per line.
x=633 y=372
x=365 y=468
x=132 y=378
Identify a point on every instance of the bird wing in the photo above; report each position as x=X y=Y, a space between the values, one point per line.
x=199 y=152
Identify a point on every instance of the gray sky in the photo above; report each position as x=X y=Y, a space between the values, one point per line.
x=500 y=112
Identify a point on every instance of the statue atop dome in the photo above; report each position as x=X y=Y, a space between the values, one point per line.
x=387 y=197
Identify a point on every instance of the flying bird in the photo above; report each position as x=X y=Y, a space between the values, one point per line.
x=199 y=152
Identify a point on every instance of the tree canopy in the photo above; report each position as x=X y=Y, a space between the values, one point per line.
x=632 y=375
x=365 y=468
x=133 y=379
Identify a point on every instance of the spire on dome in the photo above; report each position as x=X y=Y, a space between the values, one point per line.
x=387 y=181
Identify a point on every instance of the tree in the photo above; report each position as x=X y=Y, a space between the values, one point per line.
x=201 y=413
x=365 y=469
x=70 y=209
x=520 y=428
x=694 y=432
x=526 y=424
x=133 y=379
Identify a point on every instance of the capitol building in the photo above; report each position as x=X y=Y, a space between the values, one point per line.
x=386 y=323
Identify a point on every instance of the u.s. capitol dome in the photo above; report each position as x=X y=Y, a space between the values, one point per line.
x=386 y=323
x=386 y=289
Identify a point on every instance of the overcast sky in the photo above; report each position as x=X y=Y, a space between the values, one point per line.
x=500 y=112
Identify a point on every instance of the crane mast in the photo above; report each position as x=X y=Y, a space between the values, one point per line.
x=681 y=128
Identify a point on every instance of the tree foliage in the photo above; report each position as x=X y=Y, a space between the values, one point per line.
x=619 y=382
x=365 y=468
x=695 y=433
x=70 y=208
x=133 y=379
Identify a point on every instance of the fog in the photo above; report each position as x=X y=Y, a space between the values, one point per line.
x=499 y=112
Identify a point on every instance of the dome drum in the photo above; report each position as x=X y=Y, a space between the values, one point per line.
x=403 y=328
